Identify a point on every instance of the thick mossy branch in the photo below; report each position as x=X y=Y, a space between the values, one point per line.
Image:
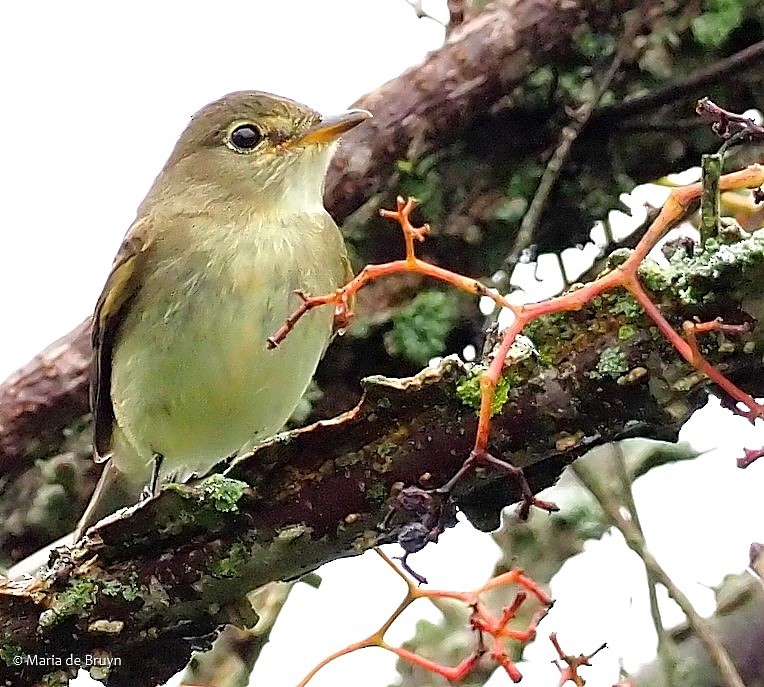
x=150 y=584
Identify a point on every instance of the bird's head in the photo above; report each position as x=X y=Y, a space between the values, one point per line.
x=268 y=150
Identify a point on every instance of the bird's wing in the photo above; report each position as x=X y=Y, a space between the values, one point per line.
x=120 y=288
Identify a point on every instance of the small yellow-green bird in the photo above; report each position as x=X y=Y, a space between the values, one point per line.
x=233 y=225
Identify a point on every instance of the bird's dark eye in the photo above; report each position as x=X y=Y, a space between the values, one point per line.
x=245 y=137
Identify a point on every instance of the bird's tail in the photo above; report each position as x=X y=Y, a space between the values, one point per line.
x=113 y=491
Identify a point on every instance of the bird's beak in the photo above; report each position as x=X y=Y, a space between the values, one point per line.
x=331 y=128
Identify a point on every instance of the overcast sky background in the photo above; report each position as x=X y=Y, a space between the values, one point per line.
x=94 y=96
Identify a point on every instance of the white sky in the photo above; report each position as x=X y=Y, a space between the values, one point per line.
x=94 y=95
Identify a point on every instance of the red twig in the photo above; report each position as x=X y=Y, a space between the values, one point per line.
x=572 y=663
x=482 y=620
x=411 y=263
x=624 y=276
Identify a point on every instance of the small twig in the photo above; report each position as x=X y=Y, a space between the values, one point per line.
x=572 y=663
x=691 y=329
x=750 y=455
x=733 y=128
x=482 y=621
x=711 y=170
x=482 y=457
x=636 y=542
x=341 y=297
x=570 y=133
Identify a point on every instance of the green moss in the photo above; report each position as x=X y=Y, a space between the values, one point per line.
x=9 y=650
x=523 y=181
x=654 y=277
x=618 y=257
x=574 y=83
x=376 y=494
x=695 y=279
x=204 y=503
x=224 y=493
x=546 y=356
x=468 y=390
x=230 y=565
x=538 y=86
x=386 y=448
x=422 y=180
x=548 y=327
x=711 y=245
x=80 y=595
x=718 y=20
x=612 y=363
x=548 y=331
x=626 y=305
x=593 y=45
x=420 y=328
x=626 y=331
x=691 y=296
x=128 y=591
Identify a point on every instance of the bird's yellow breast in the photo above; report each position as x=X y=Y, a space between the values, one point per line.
x=192 y=376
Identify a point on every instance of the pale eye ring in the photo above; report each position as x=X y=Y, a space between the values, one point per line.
x=245 y=137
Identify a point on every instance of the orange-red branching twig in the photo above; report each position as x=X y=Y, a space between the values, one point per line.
x=483 y=621
x=411 y=263
x=625 y=276
x=572 y=663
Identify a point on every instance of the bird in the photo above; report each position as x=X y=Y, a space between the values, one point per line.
x=233 y=225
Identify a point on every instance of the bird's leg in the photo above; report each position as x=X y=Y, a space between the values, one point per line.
x=151 y=488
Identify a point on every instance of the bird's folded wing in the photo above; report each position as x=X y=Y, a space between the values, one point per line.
x=120 y=288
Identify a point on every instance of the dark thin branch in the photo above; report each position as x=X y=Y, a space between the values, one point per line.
x=666 y=646
x=732 y=127
x=678 y=89
x=568 y=137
